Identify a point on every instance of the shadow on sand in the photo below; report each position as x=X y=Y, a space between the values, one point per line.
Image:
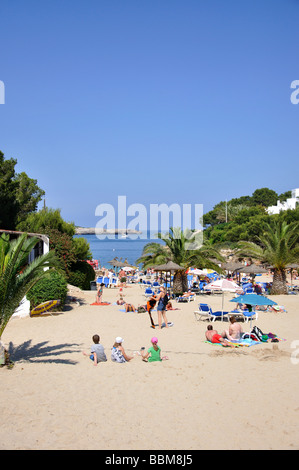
x=42 y=353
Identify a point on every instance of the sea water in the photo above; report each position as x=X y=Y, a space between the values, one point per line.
x=126 y=248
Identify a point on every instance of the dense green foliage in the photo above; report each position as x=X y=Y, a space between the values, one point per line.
x=277 y=246
x=40 y=222
x=244 y=218
x=17 y=278
x=81 y=248
x=179 y=248
x=53 y=286
x=81 y=274
x=19 y=194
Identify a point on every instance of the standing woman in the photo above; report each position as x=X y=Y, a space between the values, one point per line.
x=162 y=300
x=100 y=293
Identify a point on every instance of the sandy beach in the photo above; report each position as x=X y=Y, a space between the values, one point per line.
x=204 y=397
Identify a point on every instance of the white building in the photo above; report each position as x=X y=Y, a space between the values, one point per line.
x=290 y=203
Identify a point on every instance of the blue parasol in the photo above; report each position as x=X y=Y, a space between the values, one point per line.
x=253 y=299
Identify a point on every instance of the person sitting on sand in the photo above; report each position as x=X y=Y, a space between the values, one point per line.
x=153 y=354
x=235 y=332
x=130 y=308
x=214 y=337
x=169 y=306
x=100 y=293
x=97 y=353
x=118 y=353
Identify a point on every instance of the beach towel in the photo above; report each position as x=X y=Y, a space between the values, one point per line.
x=278 y=308
x=101 y=303
x=241 y=343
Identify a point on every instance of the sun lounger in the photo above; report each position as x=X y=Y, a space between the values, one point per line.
x=245 y=314
x=204 y=311
x=186 y=298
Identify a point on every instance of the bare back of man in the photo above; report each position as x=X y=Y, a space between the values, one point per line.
x=214 y=337
x=234 y=333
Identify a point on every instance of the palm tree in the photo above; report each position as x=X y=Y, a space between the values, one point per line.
x=179 y=248
x=17 y=277
x=277 y=246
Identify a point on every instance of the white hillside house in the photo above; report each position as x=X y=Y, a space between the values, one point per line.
x=290 y=203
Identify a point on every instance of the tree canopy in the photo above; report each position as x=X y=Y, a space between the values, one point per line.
x=19 y=194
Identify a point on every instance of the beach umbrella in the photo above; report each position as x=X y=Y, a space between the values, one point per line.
x=114 y=262
x=232 y=266
x=225 y=286
x=170 y=266
x=252 y=269
x=44 y=307
x=197 y=272
x=254 y=300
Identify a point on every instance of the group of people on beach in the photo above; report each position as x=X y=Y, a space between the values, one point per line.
x=161 y=299
x=118 y=354
x=227 y=337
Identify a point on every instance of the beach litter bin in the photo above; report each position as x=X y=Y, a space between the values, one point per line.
x=93 y=285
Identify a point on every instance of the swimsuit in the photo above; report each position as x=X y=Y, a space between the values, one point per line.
x=161 y=304
x=117 y=355
x=216 y=338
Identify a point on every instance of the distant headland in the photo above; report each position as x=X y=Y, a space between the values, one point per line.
x=116 y=231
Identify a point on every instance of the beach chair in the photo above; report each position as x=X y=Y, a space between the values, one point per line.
x=250 y=315
x=113 y=282
x=149 y=292
x=244 y=314
x=249 y=290
x=187 y=298
x=205 y=311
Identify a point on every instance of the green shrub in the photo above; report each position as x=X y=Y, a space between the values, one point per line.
x=51 y=287
x=81 y=273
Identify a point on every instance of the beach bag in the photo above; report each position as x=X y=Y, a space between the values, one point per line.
x=258 y=333
x=141 y=309
x=165 y=300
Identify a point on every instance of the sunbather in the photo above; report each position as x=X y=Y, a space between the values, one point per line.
x=235 y=331
x=130 y=308
x=214 y=337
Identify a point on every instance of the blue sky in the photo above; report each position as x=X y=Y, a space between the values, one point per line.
x=164 y=101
